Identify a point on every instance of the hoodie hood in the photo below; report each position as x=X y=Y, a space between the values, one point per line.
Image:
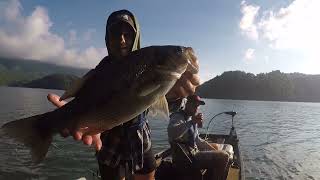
x=127 y=17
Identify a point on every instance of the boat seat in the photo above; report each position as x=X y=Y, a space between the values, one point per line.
x=185 y=165
x=228 y=148
x=222 y=146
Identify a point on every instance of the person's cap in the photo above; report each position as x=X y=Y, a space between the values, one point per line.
x=195 y=99
x=121 y=16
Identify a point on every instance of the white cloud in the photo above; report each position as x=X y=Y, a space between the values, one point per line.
x=72 y=37
x=247 y=22
x=29 y=37
x=294 y=27
x=91 y=55
x=13 y=10
x=266 y=59
x=249 y=54
x=87 y=36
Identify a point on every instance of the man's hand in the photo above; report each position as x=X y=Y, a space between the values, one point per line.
x=187 y=83
x=198 y=119
x=78 y=134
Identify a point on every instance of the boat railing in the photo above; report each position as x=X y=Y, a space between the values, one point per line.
x=231 y=113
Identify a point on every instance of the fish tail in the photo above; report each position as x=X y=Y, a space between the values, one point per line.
x=30 y=132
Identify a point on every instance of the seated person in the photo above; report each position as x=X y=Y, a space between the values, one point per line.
x=183 y=130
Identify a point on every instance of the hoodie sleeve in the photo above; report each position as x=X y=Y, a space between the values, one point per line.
x=178 y=127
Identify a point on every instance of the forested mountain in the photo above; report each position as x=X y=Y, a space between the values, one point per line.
x=54 y=81
x=274 y=86
x=15 y=71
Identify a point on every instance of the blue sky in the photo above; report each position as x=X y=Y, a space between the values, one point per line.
x=253 y=36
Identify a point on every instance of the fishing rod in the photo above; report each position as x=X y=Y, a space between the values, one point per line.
x=231 y=113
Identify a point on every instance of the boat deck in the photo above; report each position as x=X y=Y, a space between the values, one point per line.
x=166 y=169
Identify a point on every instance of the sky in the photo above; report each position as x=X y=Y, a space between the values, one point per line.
x=248 y=35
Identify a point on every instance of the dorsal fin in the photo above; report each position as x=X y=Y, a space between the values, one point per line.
x=76 y=86
x=160 y=108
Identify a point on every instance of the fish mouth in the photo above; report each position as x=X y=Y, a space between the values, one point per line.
x=191 y=57
x=175 y=67
x=176 y=74
x=191 y=68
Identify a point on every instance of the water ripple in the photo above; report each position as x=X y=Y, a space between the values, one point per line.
x=280 y=140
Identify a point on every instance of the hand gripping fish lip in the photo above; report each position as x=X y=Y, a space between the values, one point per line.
x=191 y=68
x=191 y=57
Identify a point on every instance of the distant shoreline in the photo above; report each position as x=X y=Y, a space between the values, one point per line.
x=273 y=86
x=202 y=97
x=233 y=85
x=262 y=100
x=32 y=88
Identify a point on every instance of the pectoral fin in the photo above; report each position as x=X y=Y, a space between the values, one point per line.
x=148 y=90
x=160 y=107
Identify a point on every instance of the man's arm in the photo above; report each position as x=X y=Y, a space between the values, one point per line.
x=178 y=127
x=202 y=144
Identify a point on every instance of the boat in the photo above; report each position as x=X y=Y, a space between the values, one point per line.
x=166 y=169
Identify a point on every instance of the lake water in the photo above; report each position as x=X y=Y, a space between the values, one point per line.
x=279 y=140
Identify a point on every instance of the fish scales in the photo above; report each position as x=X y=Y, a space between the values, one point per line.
x=113 y=93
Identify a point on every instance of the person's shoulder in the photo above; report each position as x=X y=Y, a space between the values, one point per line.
x=105 y=61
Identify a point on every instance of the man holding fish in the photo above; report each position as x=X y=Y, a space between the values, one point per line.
x=114 y=146
x=115 y=98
